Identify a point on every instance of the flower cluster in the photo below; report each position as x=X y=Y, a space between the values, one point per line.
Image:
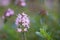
x=22 y=20
x=8 y=13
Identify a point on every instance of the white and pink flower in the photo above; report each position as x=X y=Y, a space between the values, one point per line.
x=19 y=30
x=23 y=20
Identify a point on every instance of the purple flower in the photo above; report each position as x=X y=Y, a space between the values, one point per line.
x=19 y=30
x=23 y=4
x=20 y=3
x=10 y=11
x=7 y=14
x=23 y=19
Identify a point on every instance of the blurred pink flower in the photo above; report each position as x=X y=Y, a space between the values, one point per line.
x=25 y=29
x=18 y=19
x=20 y=3
x=7 y=14
x=4 y=2
x=10 y=11
x=23 y=20
x=19 y=30
x=3 y=17
x=23 y=4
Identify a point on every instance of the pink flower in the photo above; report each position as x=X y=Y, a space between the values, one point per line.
x=3 y=17
x=10 y=11
x=5 y=2
x=23 y=20
x=25 y=29
x=7 y=14
x=19 y=30
x=23 y=4
x=20 y=2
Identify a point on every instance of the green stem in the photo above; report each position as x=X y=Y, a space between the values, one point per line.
x=23 y=36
